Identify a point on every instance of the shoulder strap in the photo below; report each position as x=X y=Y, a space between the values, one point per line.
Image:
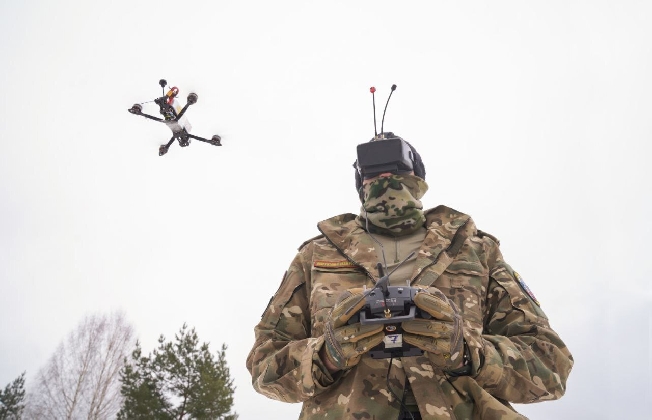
x=309 y=240
x=463 y=228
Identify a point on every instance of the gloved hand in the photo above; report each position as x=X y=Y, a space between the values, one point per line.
x=440 y=337
x=345 y=344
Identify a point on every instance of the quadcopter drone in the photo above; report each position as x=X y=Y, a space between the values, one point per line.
x=174 y=117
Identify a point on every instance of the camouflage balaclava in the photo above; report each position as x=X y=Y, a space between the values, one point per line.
x=391 y=205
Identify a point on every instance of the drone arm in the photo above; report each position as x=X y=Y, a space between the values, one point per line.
x=163 y=149
x=183 y=111
x=137 y=111
x=152 y=117
x=215 y=141
x=192 y=136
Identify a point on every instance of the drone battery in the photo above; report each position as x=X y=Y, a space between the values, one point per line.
x=176 y=105
x=183 y=121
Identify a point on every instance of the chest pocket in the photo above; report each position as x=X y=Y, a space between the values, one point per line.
x=465 y=284
x=328 y=281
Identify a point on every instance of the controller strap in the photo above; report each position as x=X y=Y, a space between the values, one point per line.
x=441 y=261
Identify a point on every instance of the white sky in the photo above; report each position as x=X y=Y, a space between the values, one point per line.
x=533 y=118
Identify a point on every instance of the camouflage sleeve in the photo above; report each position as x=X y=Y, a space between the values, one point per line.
x=525 y=361
x=284 y=361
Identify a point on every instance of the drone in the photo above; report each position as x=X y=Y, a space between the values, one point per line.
x=174 y=117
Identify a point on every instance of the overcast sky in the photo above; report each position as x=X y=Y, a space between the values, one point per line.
x=534 y=118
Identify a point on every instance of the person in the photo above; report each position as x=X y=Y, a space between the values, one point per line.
x=479 y=341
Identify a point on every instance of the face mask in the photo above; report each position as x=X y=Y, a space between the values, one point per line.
x=391 y=204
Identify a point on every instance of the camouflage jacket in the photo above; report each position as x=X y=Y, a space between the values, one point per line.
x=516 y=356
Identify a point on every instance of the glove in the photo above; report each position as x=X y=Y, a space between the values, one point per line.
x=345 y=344
x=442 y=336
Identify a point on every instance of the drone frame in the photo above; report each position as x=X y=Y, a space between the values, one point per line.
x=172 y=119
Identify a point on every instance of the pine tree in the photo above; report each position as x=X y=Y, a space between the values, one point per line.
x=179 y=380
x=12 y=399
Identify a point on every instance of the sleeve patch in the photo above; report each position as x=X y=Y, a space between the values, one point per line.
x=525 y=288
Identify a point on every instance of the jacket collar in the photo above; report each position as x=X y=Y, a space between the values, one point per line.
x=349 y=237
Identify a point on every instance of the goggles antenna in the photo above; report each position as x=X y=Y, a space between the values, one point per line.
x=382 y=124
x=373 y=98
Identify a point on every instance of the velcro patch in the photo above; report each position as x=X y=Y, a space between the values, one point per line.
x=525 y=288
x=335 y=264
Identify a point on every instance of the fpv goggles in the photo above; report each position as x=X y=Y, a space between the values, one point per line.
x=384 y=155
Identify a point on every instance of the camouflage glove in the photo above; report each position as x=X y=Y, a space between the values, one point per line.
x=440 y=337
x=345 y=344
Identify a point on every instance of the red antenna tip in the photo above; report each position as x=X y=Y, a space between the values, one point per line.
x=372 y=89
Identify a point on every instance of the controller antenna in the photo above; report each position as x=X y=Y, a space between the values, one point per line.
x=382 y=282
x=373 y=98
x=382 y=124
